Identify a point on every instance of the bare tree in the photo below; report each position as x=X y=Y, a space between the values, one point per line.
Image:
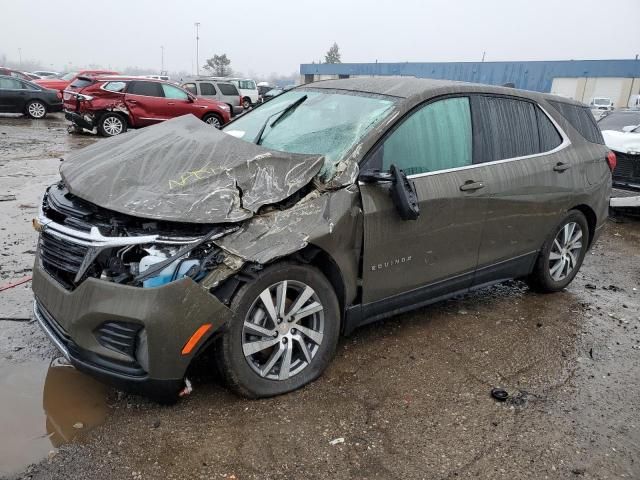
x=219 y=65
x=333 y=55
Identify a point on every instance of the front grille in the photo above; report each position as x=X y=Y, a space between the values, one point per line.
x=627 y=168
x=61 y=258
x=119 y=336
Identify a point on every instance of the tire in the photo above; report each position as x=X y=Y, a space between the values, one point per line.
x=246 y=103
x=36 y=109
x=111 y=124
x=213 y=120
x=256 y=372
x=549 y=275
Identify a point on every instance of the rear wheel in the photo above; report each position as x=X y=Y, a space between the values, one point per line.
x=561 y=255
x=283 y=334
x=246 y=103
x=36 y=109
x=213 y=119
x=111 y=124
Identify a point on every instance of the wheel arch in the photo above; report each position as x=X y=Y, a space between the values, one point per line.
x=592 y=219
x=102 y=113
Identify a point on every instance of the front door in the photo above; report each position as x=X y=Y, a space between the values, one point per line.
x=425 y=258
x=176 y=102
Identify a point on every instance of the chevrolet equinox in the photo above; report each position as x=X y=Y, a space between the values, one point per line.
x=334 y=205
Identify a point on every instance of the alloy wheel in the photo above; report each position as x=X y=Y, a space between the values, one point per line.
x=213 y=120
x=283 y=330
x=113 y=126
x=565 y=251
x=37 y=110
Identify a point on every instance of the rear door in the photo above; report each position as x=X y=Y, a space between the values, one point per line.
x=414 y=261
x=208 y=90
x=145 y=101
x=13 y=95
x=517 y=140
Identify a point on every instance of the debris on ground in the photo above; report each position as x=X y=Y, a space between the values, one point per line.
x=499 y=394
x=336 y=441
x=7 y=198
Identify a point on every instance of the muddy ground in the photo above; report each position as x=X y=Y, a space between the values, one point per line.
x=407 y=398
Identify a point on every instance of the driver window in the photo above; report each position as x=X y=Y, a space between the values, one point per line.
x=436 y=137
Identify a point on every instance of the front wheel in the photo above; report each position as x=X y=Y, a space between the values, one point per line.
x=111 y=124
x=283 y=333
x=213 y=120
x=561 y=255
x=36 y=109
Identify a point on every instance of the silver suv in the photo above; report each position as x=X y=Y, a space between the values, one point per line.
x=222 y=91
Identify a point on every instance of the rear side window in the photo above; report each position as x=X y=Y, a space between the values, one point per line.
x=581 y=119
x=207 y=88
x=228 y=89
x=81 y=82
x=10 y=84
x=549 y=136
x=148 y=89
x=504 y=128
x=114 y=86
x=436 y=137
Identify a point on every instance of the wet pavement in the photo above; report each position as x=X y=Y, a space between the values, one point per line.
x=406 y=398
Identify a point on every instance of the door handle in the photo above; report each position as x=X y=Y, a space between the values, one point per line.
x=561 y=167
x=171 y=103
x=470 y=185
x=132 y=101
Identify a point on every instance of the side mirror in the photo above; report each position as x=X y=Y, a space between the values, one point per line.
x=190 y=98
x=403 y=190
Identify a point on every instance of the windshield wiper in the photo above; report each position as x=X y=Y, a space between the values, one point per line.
x=281 y=115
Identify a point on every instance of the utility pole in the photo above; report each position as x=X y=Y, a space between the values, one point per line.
x=161 y=59
x=483 y=54
x=197 y=25
x=20 y=56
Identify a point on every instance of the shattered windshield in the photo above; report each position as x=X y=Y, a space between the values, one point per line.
x=326 y=123
x=618 y=120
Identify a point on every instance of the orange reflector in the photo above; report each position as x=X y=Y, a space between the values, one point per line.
x=195 y=338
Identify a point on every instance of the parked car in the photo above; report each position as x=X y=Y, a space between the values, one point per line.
x=14 y=73
x=274 y=92
x=62 y=82
x=225 y=92
x=621 y=132
x=334 y=205
x=45 y=73
x=21 y=96
x=601 y=103
x=114 y=103
x=263 y=87
x=247 y=88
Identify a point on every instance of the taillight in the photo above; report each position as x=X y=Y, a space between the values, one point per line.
x=612 y=161
x=59 y=94
x=241 y=104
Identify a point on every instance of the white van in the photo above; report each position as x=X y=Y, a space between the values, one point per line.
x=634 y=101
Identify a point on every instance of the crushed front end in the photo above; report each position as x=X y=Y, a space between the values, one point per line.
x=120 y=296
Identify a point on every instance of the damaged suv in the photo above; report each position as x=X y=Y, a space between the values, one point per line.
x=331 y=206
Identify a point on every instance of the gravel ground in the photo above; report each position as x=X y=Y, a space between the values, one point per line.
x=406 y=398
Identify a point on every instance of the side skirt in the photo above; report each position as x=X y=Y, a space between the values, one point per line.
x=359 y=315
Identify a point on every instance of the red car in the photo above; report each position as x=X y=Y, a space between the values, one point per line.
x=114 y=103
x=60 y=83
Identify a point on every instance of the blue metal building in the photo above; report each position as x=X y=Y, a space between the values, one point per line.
x=534 y=75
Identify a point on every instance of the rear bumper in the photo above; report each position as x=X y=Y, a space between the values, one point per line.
x=628 y=197
x=85 y=121
x=237 y=110
x=167 y=315
x=55 y=107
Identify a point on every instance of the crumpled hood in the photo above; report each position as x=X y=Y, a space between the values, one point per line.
x=184 y=170
x=624 y=142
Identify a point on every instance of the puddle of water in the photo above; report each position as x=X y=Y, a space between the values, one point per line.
x=42 y=406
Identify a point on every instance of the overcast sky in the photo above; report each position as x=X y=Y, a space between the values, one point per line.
x=262 y=37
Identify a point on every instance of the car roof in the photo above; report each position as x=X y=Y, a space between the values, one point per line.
x=420 y=88
x=205 y=79
x=124 y=78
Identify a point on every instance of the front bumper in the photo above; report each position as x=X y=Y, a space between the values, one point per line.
x=169 y=315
